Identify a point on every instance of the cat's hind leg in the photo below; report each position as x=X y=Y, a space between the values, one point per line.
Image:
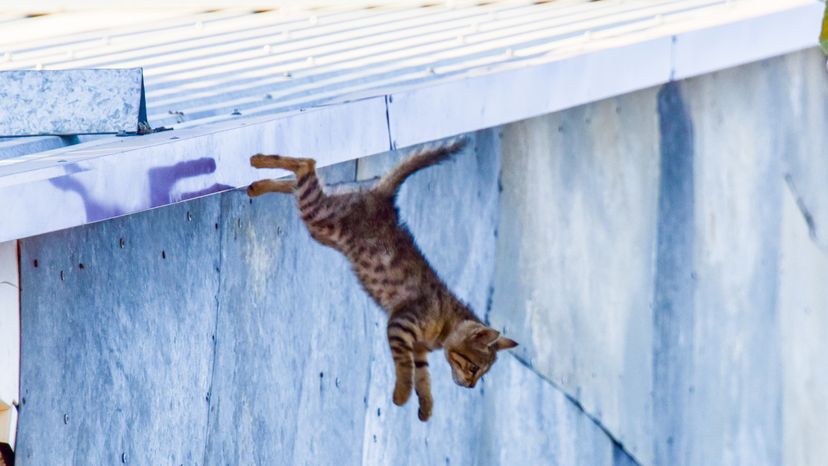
x=320 y=212
x=306 y=182
x=293 y=164
x=257 y=188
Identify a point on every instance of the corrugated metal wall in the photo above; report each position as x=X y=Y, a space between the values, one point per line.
x=660 y=256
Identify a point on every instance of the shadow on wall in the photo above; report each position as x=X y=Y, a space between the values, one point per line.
x=161 y=181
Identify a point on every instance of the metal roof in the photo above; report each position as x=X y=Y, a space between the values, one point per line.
x=214 y=66
x=214 y=71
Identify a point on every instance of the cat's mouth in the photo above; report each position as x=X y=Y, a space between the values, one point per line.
x=463 y=383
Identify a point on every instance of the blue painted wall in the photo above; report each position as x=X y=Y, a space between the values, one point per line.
x=659 y=256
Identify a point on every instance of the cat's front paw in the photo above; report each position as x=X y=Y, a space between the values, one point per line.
x=426 y=403
x=258 y=161
x=402 y=393
x=255 y=189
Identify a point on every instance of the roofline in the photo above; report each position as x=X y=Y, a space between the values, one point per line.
x=43 y=6
x=72 y=186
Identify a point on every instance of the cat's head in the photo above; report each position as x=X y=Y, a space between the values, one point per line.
x=471 y=349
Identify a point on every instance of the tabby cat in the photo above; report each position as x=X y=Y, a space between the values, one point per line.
x=423 y=314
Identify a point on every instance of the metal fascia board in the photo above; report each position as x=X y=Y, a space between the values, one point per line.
x=746 y=40
x=469 y=104
x=76 y=186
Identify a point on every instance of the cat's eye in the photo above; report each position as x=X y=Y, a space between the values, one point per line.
x=474 y=369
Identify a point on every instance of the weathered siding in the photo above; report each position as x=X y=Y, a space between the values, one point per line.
x=248 y=343
x=660 y=257
x=575 y=254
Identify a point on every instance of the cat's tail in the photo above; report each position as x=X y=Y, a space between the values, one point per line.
x=426 y=157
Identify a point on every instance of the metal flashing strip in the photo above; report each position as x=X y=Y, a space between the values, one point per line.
x=526 y=91
x=109 y=177
x=71 y=102
x=79 y=185
x=737 y=39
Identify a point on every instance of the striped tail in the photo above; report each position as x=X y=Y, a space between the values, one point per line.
x=390 y=183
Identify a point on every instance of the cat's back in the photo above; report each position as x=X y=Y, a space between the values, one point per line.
x=370 y=215
x=383 y=252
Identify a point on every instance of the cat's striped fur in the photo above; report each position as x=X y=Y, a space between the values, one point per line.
x=424 y=315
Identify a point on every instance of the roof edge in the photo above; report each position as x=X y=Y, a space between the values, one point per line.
x=76 y=185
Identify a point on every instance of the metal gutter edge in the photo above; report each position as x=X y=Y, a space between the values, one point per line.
x=499 y=98
x=86 y=183
x=78 y=185
x=746 y=40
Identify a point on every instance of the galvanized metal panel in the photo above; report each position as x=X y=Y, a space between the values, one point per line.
x=574 y=278
x=293 y=344
x=71 y=102
x=570 y=437
x=735 y=259
x=671 y=260
x=803 y=318
x=118 y=321
x=800 y=114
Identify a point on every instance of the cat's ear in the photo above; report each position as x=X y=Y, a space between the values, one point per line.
x=504 y=343
x=486 y=335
